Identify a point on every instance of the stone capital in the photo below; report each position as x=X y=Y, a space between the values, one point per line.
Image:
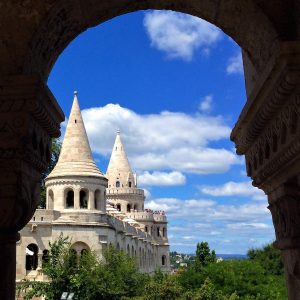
x=268 y=129
x=29 y=118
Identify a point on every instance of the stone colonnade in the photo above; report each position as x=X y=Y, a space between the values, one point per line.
x=268 y=134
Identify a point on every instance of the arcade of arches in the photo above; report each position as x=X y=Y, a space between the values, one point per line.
x=34 y=33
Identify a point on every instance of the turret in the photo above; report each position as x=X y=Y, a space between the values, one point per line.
x=122 y=188
x=76 y=183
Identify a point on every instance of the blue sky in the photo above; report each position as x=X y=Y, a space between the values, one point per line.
x=173 y=84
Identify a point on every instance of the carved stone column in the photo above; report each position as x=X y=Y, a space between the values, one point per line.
x=29 y=117
x=268 y=134
x=284 y=204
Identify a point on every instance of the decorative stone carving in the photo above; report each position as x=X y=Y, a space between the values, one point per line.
x=268 y=130
x=29 y=118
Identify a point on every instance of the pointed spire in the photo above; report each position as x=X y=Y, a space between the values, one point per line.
x=76 y=156
x=119 y=168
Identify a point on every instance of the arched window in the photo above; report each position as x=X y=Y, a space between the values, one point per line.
x=164 y=232
x=158 y=231
x=132 y=251
x=83 y=199
x=31 y=257
x=163 y=260
x=70 y=199
x=45 y=257
x=119 y=207
x=135 y=207
x=128 y=207
x=129 y=183
x=117 y=183
x=146 y=228
x=50 y=200
x=83 y=252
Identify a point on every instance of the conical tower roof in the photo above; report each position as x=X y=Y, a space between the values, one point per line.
x=76 y=156
x=118 y=161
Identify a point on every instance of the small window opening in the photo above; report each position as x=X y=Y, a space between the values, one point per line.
x=128 y=207
x=31 y=257
x=117 y=184
x=163 y=260
x=129 y=183
x=119 y=207
x=70 y=199
x=83 y=199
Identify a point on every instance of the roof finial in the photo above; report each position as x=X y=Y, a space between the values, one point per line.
x=75 y=93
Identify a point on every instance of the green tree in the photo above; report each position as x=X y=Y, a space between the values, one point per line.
x=204 y=256
x=268 y=257
x=55 y=148
x=88 y=277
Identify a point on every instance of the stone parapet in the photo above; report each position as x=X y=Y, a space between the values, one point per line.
x=120 y=191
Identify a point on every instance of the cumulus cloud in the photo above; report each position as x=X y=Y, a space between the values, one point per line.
x=159 y=142
x=161 y=178
x=231 y=188
x=180 y=35
x=195 y=220
x=235 y=65
x=208 y=210
x=205 y=104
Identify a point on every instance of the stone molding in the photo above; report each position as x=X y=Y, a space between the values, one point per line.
x=268 y=130
x=29 y=118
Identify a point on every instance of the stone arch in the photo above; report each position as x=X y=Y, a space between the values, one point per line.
x=31 y=258
x=135 y=207
x=118 y=206
x=65 y=21
x=132 y=251
x=128 y=207
x=128 y=250
x=79 y=246
x=50 y=199
x=118 y=246
x=83 y=198
x=69 y=198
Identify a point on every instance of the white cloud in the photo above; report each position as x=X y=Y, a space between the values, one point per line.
x=160 y=142
x=251 y=226
x=235 y=65
x=209 y=210
x=180 y=35
x=205 y=104
x=231 y=188
x=161 y=178
x=194 y=220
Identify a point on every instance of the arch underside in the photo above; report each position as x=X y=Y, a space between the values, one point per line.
x=44 y=32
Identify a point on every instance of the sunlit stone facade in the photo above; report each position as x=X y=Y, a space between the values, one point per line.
x=92 y=209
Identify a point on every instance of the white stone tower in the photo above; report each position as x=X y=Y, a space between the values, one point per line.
x=122 y=188
x=76 y=182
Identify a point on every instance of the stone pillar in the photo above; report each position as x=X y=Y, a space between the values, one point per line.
x=284 y=204
x=29 y=117
x=268 y=134
x=76 y=198
x=91 y=200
